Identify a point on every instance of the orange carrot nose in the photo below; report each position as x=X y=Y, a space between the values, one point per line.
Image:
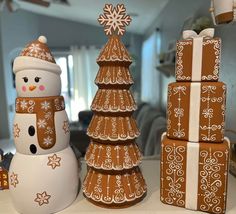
x=32 y=87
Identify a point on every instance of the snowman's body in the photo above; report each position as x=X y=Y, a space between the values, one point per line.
x=28 y=133
x=42 y=187
x=44 y=172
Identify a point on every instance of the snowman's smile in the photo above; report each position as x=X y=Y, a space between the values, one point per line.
x=33 y=149
x=32 y=87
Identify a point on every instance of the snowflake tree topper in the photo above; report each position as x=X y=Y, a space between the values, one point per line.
x=114 y=19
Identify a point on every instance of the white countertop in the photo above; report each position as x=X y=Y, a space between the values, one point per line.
x=151 y=204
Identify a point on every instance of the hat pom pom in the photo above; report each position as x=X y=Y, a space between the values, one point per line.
x=42 y=39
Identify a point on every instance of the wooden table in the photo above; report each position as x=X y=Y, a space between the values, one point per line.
x=151 y=204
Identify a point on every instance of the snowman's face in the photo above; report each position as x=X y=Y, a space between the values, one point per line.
x=37 y=83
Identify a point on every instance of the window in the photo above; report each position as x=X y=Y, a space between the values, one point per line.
x=79 y=69
x=150 y=91
x=65 y=61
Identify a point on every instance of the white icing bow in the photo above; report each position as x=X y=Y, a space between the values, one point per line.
x=190 y=34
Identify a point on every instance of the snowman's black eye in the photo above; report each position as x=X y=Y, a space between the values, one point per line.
x=36 y=79
x=25 y=79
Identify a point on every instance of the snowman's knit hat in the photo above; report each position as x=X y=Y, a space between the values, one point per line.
x=36 y=55
x=38 y=49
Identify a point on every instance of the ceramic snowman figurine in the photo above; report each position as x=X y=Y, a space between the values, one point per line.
x=44 y=173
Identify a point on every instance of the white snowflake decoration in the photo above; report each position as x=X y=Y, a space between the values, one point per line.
x=42 y=123
x=114 y=19
x=47 y=141
x=49 y=56
x=45 y=105
x=24 y=104
x=34 y=48
x=48 y=115
x=49 y=130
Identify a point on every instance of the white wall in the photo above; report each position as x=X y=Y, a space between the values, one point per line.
x=170 y=22
x=228 y=70
x=15 y=33
x=173 y=16
x=4 y=132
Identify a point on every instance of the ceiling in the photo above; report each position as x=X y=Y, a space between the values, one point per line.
x=87 y=11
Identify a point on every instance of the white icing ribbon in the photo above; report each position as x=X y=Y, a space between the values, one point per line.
x=197 y=49
x=194 y=111
x=197 y=59
x=192 y=174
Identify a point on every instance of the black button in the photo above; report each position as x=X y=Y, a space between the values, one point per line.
x=31 y=131
x=33 y=148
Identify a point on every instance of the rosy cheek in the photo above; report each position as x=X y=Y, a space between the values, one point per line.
x=41 y=88
x=23 y=88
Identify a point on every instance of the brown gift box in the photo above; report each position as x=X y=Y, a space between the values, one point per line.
x=194 y=175
x=196 y=111
x=210 y=60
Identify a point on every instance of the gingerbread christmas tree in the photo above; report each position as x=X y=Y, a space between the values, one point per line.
x=114 y=179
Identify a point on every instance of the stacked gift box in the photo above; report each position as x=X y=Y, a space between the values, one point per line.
x=195 y=153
